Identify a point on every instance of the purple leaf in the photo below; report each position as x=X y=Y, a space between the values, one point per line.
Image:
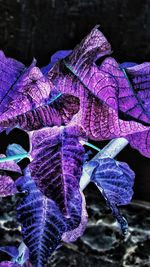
x=103 y=91
x=115 y=181
x=7 y=171
x=42 y=222
x=72 y=235
x=57 y=163
x=8 y=264
x=54 y=58
x=139 y=76
x=10 y=71
x=59 y=111
x=7 y=187
x=127 y=64
x=21 y=89
x=100 y=121
x=141 y=141
x=9 y=165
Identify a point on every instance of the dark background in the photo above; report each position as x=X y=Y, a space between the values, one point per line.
x=38 y=28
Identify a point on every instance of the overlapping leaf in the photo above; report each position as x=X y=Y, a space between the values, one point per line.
x=99 y=89
x=55 y=57
x=7 y=171
x=42 y=222
x=21 y=89
x=139 y=76
x=19 y=255
x=57 y=162
x=115 y=181
x=72 y=235
x=141 y=141
x=58 y=112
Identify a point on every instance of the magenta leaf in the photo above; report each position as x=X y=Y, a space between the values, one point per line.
x=115 y=181
x=57 y=163
x=42 y=222
x=58 y=112
x=104 y=91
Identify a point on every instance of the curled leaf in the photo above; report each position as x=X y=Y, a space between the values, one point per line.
x=54 y=58
x=108 y=106
x=115 y=181
x=72 y=235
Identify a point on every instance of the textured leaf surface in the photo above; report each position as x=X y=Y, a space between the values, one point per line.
x=58 y=112
x=139 y=76
x=57 y=163
x=141 y=141
x=72 y=235
x=111 y=84
x=115 y=181
x=9 y=165
x=10 y=71
x=103 y=91
x=42 y=222
x=21 y=89
x=7 y=172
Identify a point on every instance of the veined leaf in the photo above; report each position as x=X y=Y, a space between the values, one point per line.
x=115 y=181
x=42 y=222
x=58 y=112
x=21 y=89
x=141 y=141
x=102 y=91
x=7 y=171
x=72 y=235
x=57 y=163
x=139 y=77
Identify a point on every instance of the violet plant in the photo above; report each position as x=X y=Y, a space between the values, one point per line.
x=61 y=107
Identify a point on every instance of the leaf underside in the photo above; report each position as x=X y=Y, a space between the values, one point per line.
x=115 y=181
x=42 y=222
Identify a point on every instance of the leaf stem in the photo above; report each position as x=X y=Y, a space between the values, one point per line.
x=90 y=145
x=14 y=157
x=111 y=150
